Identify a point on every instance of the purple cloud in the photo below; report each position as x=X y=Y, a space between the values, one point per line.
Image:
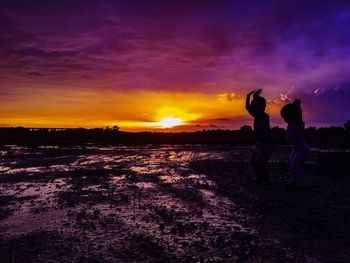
x=179 y=45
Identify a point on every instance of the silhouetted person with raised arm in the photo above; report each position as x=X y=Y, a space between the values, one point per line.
x=293 y=115
x=263 y=148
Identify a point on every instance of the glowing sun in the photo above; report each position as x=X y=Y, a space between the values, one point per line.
x=170 y=121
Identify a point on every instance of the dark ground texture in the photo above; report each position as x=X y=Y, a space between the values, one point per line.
x=169 y=204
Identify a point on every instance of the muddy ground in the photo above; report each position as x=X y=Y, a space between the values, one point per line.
x=168 y=204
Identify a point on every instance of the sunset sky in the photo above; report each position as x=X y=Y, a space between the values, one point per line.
x=151 y=65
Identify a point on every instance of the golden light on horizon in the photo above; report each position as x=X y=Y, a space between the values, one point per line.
x=170 y=121
x=169 y=117
x=131 y=111
x=166 y=122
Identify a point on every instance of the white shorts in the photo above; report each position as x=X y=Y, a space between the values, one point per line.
x=298 y=157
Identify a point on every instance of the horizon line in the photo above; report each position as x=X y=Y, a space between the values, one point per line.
x=153 y=131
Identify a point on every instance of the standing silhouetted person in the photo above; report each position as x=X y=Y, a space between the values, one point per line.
x=292 y=114
x=263 y=148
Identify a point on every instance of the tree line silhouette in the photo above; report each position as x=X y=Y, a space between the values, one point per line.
x=333 y=136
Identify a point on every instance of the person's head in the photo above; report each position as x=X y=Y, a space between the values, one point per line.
x=292 y=112
x=258 y=104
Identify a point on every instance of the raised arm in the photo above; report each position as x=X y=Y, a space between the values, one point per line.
x=247 y=102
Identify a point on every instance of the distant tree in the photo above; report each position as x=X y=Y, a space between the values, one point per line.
x=277 y=129
x=335 y=130
x=116 y=128
x=311 y=132
x=278 y=135
x=246 y=129
x=347 y=126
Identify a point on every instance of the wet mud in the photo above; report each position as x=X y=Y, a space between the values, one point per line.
x=166 y=204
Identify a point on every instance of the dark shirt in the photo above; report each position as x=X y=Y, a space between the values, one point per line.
x=262 y=128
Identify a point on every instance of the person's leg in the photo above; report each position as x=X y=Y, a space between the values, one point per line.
x=256 y=171
x=296 y=167
x=253 y=163
x=260 y=171
x=259 y=159
x=255 y=168
x=290 y=174
x=262 y=161
x=263 y=174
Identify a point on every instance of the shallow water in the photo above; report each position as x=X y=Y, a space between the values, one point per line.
x=149 y=191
